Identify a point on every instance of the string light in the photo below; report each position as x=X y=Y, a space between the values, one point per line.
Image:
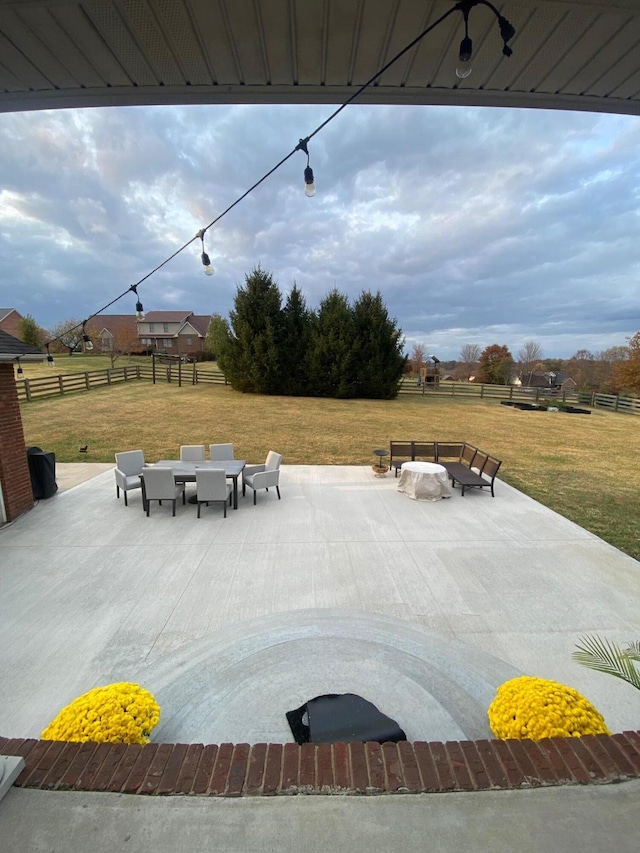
x=507 y=31
x=88 y=343
x=309 y=185
x=50 y=360
x=206 y=262
x=139 y=308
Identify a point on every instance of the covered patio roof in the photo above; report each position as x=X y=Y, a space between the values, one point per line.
x=567 y=54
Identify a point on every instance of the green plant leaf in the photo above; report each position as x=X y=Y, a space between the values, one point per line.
x=633 y=650
x=606 y=656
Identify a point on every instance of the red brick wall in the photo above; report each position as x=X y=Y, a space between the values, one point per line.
x=15 y=479
x=245 y=770
x=11 y=324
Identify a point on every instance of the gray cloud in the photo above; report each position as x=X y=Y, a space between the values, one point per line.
x=477 y=225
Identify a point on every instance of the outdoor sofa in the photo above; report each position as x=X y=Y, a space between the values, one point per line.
x=467 y=466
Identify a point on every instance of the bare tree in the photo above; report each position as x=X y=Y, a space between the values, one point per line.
x=417 y=357
x=68 y=333
x=469 y=357
x=529 y=356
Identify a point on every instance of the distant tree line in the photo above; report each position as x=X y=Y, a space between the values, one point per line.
x=614 y=370
x=275 y=346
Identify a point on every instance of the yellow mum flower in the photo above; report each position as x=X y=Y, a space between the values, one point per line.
x=535 y=708
x=103 y=715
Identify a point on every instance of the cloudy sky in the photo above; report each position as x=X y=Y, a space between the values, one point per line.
x=477 y=225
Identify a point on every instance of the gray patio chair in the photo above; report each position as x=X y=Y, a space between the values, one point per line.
x=129 y=465
x=192 y=453
x=263 y=476
x=159 y=485
x=212 y=487
x=221 y=452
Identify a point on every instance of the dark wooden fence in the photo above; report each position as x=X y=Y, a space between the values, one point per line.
x=467 y=390
x=70 y=383
x=193 y=374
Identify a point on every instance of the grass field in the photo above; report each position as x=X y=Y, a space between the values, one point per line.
x=584 y=467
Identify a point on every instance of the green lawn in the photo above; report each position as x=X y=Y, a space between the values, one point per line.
x=584 y=467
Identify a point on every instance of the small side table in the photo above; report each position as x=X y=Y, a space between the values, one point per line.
x=380 y=454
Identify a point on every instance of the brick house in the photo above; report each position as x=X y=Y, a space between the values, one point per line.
x=16 y=494
x=10 y=322
x=553 y=381
x=114 y=333
x=173 y=332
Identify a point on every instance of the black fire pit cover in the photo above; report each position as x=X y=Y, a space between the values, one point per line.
x=342 y=717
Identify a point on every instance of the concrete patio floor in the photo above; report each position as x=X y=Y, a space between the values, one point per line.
x=343 y=585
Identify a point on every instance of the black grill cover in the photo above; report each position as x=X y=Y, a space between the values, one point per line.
x=345 y=717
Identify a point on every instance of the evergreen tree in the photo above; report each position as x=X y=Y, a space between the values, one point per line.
x=294 y=345
x=331 y=371
x=251 y=356
x=377 y=357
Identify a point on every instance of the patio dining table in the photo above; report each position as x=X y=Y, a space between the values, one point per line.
x=185 y=472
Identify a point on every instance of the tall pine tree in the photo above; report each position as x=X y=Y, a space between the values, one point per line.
x=294 y=347
x=251 y=356
x=330 y=355
x=377 y=349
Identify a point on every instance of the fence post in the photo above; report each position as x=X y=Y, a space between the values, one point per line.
x=511 y=392
x=481 y=391
x=615 y=408
x=27 y=388
x=60 y=384
x=537 y=394
x=87 y=384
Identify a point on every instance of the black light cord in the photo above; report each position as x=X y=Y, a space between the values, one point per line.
x=463 y=6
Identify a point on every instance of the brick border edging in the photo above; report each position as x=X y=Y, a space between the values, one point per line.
x=235 y=770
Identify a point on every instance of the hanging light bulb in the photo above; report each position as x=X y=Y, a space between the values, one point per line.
x=309 y=186
x=204 y=257
x=88 y=343
x=466 y=50
x=20 y=371
x=206 y=262
x=50 y=360
x=139 y=308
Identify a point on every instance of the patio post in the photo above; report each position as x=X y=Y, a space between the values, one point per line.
x=15 y=478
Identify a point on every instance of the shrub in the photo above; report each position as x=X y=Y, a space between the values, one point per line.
x=535 y=708
x=117 y=713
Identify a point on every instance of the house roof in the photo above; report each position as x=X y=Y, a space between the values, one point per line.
x=117 y=324
x=4 y=313
x=166 y=316
x=11 y=348
x=548 y=379
x=200 y=322
x=567 y=54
